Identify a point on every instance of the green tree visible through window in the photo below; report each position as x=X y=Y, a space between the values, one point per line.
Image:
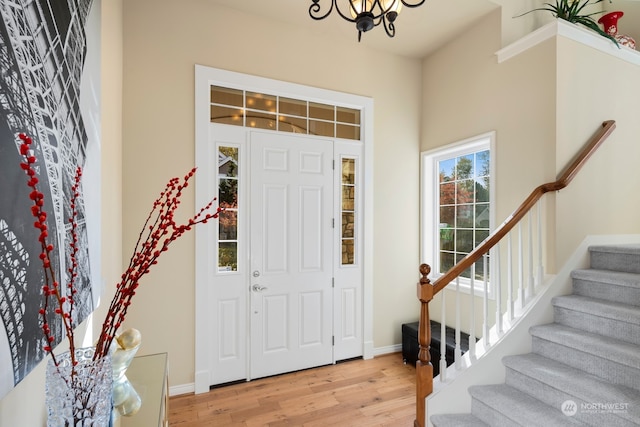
x=464 y=211
x=228 y=199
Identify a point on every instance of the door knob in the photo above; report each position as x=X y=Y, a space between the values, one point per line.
x=258 y=288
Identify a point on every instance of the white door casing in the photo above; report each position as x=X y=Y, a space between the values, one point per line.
x=348 y=290
x=291 y=253
x=224 y=301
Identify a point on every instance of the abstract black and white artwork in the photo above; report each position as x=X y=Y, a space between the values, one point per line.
x=50 y=90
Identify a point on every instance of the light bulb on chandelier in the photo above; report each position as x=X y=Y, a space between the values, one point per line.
x=366 y=14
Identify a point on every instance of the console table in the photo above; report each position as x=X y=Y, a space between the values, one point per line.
x=148 y=376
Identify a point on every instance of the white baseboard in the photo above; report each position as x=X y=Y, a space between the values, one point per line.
x=177 y=390
x=379 y=351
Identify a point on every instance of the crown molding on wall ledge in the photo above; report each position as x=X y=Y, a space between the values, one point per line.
x=563 y=28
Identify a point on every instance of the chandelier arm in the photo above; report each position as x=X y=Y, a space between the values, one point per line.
x=345 y=17
x=383 y=12
x=365 y=19
x=374 y=5
x=315 y=8
x=388 y=27
x=420 y=3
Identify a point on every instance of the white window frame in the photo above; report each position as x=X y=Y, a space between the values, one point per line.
x=241 y=227
x=430 y=200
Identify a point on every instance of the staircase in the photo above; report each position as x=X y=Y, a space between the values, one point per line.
x=585 y=367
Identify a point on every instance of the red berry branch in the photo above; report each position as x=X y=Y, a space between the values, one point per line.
x=159 y=231
x=51 y=292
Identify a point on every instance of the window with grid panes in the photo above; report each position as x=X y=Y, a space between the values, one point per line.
x=457 y=205
x=228 y=199
x=271 y=112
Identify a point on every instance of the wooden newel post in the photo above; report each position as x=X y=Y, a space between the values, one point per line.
x=424 y=369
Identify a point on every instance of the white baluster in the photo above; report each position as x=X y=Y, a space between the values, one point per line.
x=540 y=262
x=498 y=287
x=530 y=256
x=458 y=352
x=485 y=303
x=509 y=279
x=472 y=313
x=443 y=342
x=520 y=265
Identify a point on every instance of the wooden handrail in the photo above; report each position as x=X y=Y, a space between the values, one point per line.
x=567 y=176
x=426 y=291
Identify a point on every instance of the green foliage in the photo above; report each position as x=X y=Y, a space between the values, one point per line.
x=574 y=11
x=228 y=257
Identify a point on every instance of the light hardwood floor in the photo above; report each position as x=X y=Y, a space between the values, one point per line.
x=376 y=392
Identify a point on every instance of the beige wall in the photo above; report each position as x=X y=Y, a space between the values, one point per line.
x=163 y=41
x=467 y=93
x=24 y=406
x=603 y=197
x=544 y=105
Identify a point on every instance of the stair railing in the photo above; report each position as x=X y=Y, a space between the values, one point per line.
x=427 y=290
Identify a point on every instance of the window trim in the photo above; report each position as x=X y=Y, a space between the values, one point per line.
x=429 y=199
x=355 y=211
x=240 y=178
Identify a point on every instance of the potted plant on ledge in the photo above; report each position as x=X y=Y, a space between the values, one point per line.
x=577 y=12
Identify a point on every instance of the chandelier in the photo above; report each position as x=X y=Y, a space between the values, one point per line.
x=366 y=14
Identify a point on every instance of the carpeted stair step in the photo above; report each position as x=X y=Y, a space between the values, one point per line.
x=615 y=320
x=625 y=258
x=500 y=405
x=612 y=286
x=456 y=420
x=555 y=383
x=613 y=360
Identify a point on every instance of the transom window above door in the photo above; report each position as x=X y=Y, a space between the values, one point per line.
x=263 y=111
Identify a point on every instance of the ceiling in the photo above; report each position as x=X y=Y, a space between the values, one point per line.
x=419 y=31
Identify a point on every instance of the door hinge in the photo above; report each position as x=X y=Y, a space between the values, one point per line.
x=333 y=282
x=333 y=164
x=333 y=340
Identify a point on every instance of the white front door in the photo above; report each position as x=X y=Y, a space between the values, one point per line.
x=291 y=198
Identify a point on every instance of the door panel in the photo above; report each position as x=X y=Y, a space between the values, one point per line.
x=229 y=321
x=275 y=242
x=226 y=321
x=291 y=253
x=276 y=324
x=311 y=238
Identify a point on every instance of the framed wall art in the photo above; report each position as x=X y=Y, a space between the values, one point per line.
x=50 y=90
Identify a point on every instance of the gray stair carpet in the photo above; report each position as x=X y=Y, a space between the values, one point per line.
x=584 y=369
x=457 y=420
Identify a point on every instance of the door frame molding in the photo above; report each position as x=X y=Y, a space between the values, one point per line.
x=204 y=78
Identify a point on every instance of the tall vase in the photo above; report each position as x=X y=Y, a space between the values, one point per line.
x=81 y=399
x=610 y=25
